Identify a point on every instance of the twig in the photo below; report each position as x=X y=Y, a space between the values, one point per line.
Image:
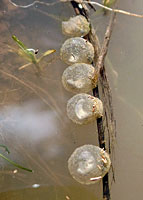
x=104 y=80
x=101 y=68
x=108 y=8
x=90 y=3
x=32 y=4
x=24 y=66
x=104 y=48
x=114 y=10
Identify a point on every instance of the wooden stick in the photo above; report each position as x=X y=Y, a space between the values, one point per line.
x=114 y=10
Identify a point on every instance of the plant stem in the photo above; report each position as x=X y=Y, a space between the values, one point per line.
x=15 y=164
x=5 y=147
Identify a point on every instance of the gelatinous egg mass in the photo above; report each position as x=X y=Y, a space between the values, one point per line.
x=77 y=50
x=83 y=108
x=76 y=26
x=88 y=164
x=78 y=78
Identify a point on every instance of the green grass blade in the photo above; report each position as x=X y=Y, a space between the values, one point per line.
x=15 y=164
x=20 y=44
x=28 y=54
x=5 y=147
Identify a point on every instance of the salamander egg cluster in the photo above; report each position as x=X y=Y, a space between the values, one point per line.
x=88 y=164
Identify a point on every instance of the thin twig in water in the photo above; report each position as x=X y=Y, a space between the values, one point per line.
x=104 y=48
x=107 y=8
x=114 y=10
x=57 y=18
x=88 y=2
x=101 y=69
x=106 y=92
x=34 y=3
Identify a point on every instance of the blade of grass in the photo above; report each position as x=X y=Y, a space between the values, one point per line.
x=20 y=44
x=24 y=66
x=46 y=54
x=5 y=147
x=15 y=164
x=25 y=52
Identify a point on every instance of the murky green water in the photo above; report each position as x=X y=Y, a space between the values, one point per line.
x=34 y=124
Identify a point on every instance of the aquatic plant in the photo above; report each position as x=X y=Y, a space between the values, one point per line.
x=84 y=108
x=88 y=164
x=30 y=55
x=108 y=3
x=10 y=161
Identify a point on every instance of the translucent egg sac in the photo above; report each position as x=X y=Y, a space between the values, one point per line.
x=84 y=108
x=88 y=164
x=77 y=50
x=78 y=78
x=76 y=26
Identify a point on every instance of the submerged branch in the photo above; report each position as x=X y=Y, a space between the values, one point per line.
x=104 y=48
x=106 y=92
x=115 y=10
x=90 y=3
x=81 y=2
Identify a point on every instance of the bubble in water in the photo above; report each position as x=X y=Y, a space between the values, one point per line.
x=76 y=26
x=78 y=78
x=88 y=164
x=77 y=50
x=83 y=108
